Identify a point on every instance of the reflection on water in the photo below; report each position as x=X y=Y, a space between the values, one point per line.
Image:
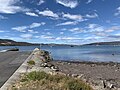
x=83 y=53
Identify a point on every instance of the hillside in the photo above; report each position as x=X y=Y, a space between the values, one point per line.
x=105 y=43
x=7 y=42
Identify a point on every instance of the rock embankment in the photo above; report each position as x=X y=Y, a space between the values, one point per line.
x=39 y=62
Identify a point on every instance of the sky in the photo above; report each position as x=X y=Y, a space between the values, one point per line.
x=60 y=21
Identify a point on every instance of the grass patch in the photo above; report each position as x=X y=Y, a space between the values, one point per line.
x=43 y=81
x=31 y=62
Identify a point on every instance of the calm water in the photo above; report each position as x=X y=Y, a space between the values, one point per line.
x=79 y=53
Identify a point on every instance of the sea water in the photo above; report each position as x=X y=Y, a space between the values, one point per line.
x=102 y=53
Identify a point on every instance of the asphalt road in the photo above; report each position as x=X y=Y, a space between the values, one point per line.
x=9 y=63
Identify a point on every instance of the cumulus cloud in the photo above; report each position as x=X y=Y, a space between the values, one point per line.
x=76 y=30
x=32 y=31
x=1 y=31
x=89 y=1
x=34 y=25
x=68 y=3
x=112 y=29
x=68 y=38
x=61 y=33
x=26 y=36
x=41 y=2
x=31 y=14
x=94 y=28
x=73 y=17
x=115 y=36
x=46 y=37
x=100 y=30
x=67 y=23
x=9 y=7
x=95 y=15
x=118 y=12
x=2 y=17
x=20 y=28
x=23 y=28
x=48 y=13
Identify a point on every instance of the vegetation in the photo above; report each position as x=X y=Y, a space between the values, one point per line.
x=42 y=81
x=31 y=62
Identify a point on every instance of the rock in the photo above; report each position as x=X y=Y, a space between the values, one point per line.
x=69 y=63
x=104 y=83
x=54 y=68
x=80 y=76
x=69 y=74
x=93 y=65
x=74 y=75
x=36 y=49
x=50 y=65
x=109 y=85
x=43 y=65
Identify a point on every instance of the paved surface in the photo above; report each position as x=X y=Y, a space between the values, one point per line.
x=9 y=63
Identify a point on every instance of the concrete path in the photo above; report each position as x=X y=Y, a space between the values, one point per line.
x=9 y=63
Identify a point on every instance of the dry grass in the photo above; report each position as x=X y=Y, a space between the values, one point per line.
x=43 y=81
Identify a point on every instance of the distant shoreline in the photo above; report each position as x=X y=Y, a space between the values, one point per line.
x=88 y=62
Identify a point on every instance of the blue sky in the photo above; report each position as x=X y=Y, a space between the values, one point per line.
x=60 y=21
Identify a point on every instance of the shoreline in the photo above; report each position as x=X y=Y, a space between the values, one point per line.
x=89 y=62
x=100 y=75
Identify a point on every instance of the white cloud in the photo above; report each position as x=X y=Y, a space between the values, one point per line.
x=68 y=38
x=61 y=33
x=68 y=3
x=92 y=26
x=67 y=23
x=95 y=15
x=46 y=37
x=1 y=31
x=31 y=14
x=41 y=2
x=9 y=7
x=34 y=25
x=100 y=34
x=76 y=30
x=73 y=17
x=112 y=29
x=23 y=28
x=89 y=1
x=95 y=28
x=26 y=36
x=32 y=31
x=20 y=28
x=48 y=33
x=2 y=17
x=48 y=13
x=118 y=12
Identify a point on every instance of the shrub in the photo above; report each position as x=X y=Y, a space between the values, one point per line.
x=36 y=75
x=43 y=81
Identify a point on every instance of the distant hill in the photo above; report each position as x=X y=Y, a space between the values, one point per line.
x=105 y=43
x=7 y=42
